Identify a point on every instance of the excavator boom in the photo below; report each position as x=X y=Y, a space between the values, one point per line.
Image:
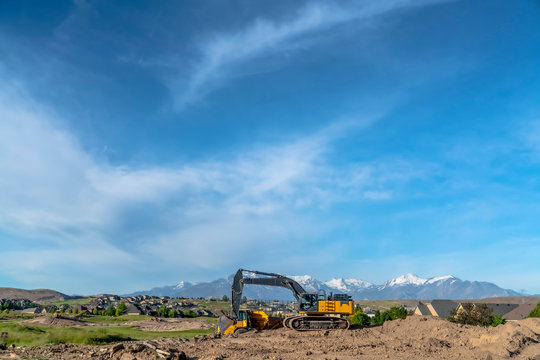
x=270 y=280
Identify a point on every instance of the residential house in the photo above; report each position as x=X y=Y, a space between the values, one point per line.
x=520 y=312
x=438 y=308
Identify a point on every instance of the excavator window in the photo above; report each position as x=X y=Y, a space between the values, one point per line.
x=308 y=301
x=242 y=316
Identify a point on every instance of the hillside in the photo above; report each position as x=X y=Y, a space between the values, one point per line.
x=36 y=295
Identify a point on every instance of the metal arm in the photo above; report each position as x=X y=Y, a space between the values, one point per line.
x=271 y=280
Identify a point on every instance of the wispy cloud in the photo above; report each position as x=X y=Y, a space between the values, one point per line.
x=265 y=37
x=58 y=197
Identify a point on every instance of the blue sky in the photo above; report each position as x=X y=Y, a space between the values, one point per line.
x=144 y=143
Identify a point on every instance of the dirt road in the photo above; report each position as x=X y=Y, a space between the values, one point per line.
x=414 y=338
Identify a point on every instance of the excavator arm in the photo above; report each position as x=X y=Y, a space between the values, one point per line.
x=270 y=280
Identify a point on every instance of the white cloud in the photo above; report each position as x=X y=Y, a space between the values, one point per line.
x=265 y=37
x=56 y=196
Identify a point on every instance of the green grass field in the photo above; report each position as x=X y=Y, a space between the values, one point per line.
x=22 y=335
x=71 y=302
x=90 y=335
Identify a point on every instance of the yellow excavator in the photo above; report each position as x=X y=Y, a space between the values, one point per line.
x=315 y=311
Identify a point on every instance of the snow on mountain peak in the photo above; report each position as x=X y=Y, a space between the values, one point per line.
x=180 y=285
x=407 y=279
x=302 y=279
x=347 y=284
x=337 y=283
x=440 y=278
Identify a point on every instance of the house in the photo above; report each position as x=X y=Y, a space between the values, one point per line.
x=439 y=308
x=501 y=309
x=33 y=310
x=421 y=309
x=520 y=312
x=131 y=309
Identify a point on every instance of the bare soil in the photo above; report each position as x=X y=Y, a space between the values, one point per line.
x=417 y=337
x=171 y=324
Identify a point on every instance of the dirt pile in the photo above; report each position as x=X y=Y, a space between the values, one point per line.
x=54 y=321
x=414 y=338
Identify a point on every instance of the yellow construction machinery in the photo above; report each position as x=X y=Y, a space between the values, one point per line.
x=315 y=311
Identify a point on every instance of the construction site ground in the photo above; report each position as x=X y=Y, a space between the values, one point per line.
x=417 y=337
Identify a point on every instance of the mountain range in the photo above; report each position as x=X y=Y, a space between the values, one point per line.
x=408 y=286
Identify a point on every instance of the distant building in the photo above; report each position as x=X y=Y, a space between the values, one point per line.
x=521 y=312
x=438 y=308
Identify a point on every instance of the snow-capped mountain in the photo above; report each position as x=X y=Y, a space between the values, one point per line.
x=347 y=285
x=408 y=286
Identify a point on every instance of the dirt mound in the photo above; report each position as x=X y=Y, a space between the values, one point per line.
x=37 y=295
x=54 y=321
x=512 y=339
x=414 y=338
x=171 y=324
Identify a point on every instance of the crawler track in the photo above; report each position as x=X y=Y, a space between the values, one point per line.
x=306 y=323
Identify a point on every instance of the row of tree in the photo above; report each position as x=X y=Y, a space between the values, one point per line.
x=360 y=318
x=111 y=310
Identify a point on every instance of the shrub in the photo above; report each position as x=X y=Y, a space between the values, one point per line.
x=392 y=314
x=111 y=311
x=476 y=314
x=163 y=311
x=359 y=318
x=172 y=313
x=497 y=320
x=536 y=311
x=190 y=314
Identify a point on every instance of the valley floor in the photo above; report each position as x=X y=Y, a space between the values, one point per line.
x=417 y=337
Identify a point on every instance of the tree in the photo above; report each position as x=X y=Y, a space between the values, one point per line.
x=163 y=311
x=359 y=318
x=225 y=298
x=473 y=314
x=397 y=313
x=111 y=311
x=536 y=311
x=377 y=319
x=121 y=308
x=172 y=313
x=95 y=311
x=63 y=309
x=392 y=314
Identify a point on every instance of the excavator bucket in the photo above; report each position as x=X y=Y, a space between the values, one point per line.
x=224 y=322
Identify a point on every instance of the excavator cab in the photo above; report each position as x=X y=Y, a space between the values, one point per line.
x=243 y=320
x=308 y=302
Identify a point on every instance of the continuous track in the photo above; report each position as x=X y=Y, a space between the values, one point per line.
x=306 y=323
